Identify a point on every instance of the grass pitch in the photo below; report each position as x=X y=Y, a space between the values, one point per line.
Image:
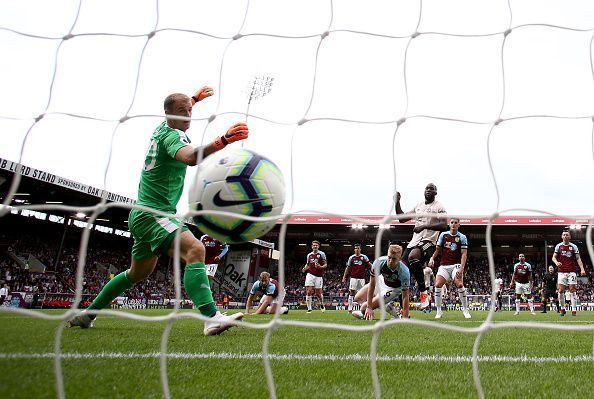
x=119 y=358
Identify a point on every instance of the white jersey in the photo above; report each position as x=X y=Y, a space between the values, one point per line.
x=427 y=274
x=425 y=235
x=498 y=284
x=3 y=291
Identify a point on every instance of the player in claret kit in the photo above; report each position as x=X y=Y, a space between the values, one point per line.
x=215 y=251
x=453 y=248
x=522 y=278
x=160 y=188
x=566 y=257
x=315 y=266
x=356 y=267
x=272 y=296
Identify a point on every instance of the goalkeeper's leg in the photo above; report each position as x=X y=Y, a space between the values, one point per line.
x=197 y=284
x=139 y=270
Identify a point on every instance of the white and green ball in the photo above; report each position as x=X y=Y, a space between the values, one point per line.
x=238 y=181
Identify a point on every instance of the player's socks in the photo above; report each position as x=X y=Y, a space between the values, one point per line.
x=198 y=288
x=573 y=301
x=322 y=307
x=351 y=299
x=531 y=304
x=463 y=299
x=561 y=305
x=518 y=305
x=110 y=291
x=438 y=299
x=308 y=301
x=416 y=269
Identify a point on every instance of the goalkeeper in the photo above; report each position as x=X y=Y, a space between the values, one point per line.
x=161 y=185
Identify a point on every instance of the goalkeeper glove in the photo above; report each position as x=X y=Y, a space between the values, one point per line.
x=237 y=132
x=202 y=94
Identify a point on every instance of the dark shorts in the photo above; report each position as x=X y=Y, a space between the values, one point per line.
x=427 y=249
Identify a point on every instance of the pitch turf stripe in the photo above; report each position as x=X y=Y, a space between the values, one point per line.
x=340 y=358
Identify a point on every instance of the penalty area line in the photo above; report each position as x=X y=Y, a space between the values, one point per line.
x=300 y=357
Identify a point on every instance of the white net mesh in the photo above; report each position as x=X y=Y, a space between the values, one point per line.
x=412 y=108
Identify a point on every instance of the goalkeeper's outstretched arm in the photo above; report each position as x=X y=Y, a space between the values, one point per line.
x=189 y=155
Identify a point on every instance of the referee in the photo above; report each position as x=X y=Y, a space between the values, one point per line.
x=549 y=289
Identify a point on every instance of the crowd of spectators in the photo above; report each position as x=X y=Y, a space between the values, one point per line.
x=103 y=261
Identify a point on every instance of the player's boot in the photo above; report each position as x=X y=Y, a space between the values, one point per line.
x=391 y=309
x=284 y=310
x=543 y=311
x=573 y=313
x=424 y=300
x=309 y=311
x=322 y=308
x=83 y=320
x=218 y=323
x=532 y=312
x=516 y=313
x=466 y=314
x=439 y=314
x=562 y=312
x=358 y=314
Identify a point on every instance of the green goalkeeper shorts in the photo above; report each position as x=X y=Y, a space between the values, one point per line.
x=153 y=234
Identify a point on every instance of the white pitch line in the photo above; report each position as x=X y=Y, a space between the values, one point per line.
x=290 y=357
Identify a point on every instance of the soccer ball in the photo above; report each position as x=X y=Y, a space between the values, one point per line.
x=239 y=181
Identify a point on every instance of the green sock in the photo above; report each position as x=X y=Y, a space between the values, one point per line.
x=198 y=288
x=111 y=290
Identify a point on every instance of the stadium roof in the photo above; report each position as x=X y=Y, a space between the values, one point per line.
x=40 y=187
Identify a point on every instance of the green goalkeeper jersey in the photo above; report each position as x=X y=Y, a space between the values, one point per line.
x=162 y=178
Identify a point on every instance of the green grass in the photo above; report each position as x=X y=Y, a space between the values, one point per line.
x=136 y=377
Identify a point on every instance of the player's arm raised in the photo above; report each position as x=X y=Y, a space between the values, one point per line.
x=398 y=208
x=201 y=94
x=189 y=154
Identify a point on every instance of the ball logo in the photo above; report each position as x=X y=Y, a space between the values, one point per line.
x=218 y=201
x=223 y=161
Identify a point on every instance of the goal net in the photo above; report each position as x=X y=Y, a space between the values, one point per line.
x=353 y=101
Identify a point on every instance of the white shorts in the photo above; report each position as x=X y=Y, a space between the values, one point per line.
x=567 y=278
x=313 y=281
x=211 y=269
x=356 y=284
x=523 y=288
x=448 y=272
x=389 y=293
x=280 y=298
